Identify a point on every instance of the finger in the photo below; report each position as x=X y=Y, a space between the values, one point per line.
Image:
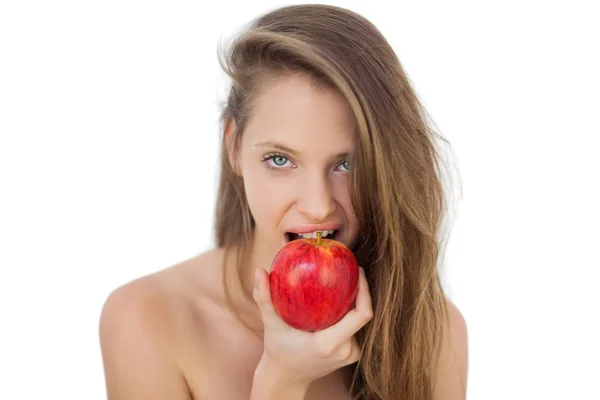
x=354 y=354
x=354 y=320
x=262 y=297
x=363 y=303
x=349 y=351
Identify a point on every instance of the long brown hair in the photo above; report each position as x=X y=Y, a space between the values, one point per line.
x=396 y=184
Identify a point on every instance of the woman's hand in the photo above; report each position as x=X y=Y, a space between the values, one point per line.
x=297 y=357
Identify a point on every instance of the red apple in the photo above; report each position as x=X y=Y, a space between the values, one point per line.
x=313 y=282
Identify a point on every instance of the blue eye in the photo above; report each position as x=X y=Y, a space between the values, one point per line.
x=275 y=161
x=279 y=161
x=346 y=165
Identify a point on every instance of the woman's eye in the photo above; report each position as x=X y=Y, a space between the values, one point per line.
x=277 y=161
x=280 y=161
x=346 y=165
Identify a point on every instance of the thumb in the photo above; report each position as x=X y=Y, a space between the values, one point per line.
x=262 y=297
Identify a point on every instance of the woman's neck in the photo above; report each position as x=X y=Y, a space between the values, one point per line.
x=259 y=255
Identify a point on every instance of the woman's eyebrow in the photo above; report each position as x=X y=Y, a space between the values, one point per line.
x=275 y=145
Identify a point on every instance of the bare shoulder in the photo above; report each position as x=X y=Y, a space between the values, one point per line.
x=139 y=324
x=451 y=376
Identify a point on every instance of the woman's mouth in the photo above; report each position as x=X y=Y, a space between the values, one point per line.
x=326 y=234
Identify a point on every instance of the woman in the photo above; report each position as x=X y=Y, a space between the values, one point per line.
x=321 y=132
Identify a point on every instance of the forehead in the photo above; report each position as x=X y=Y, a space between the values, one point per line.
x=293 y=111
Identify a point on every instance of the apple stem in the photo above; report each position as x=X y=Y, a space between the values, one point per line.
x=319 y=234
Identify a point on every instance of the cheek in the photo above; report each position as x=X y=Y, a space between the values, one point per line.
x=344 y=200
x=268 y=196
x=342 y=194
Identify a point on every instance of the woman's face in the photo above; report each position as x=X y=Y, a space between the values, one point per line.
x=294 y=159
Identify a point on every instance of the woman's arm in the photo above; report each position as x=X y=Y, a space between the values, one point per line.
x=270 y=384
x=134 y=341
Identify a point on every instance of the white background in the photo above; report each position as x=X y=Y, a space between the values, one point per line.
x=108 y=155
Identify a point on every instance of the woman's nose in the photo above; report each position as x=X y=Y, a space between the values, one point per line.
x=315 y=199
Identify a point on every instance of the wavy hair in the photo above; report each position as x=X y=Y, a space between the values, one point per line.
x=396 y=182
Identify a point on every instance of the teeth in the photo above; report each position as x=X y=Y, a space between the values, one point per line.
x=313 y=235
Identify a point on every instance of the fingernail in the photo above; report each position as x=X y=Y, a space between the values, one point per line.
x=362 y=271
